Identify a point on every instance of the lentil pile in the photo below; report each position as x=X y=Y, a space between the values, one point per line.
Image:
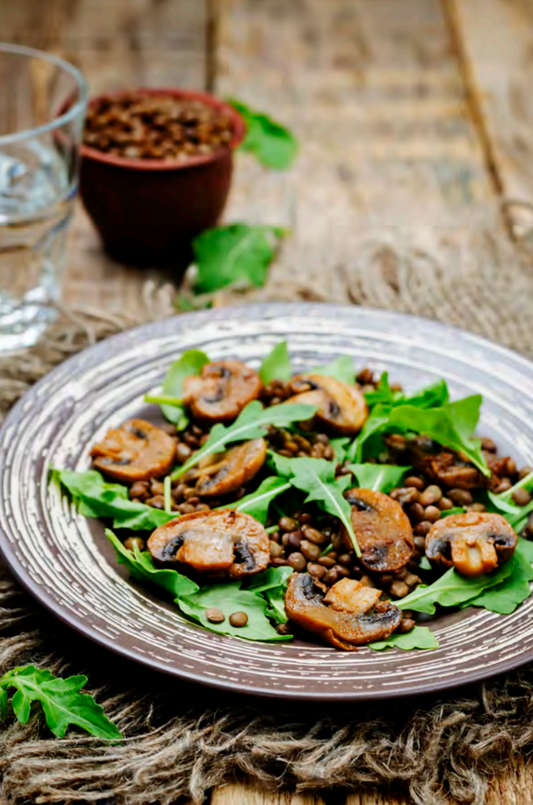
x=142 y=126
x=211 y=537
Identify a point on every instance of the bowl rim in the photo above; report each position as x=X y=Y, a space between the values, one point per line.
x=237 y=121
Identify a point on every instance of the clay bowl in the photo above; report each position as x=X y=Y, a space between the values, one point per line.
x=148 y=211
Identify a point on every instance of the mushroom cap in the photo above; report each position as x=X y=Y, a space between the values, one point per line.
x=231 y=470
x=222 y=390
x=136 y=451
x=474 y=543
x=218 y=543
x=440 y=464
x=305 y=606
x=341 y=407
x=382 y=529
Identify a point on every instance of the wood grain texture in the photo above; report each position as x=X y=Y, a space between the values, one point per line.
x=242 y=794
x=117 y=44
x=496 y=44
x=374 y=93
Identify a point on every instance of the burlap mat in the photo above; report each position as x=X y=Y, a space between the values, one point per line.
x=430 y=748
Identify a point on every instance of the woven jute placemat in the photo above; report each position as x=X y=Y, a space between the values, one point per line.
x=183 y=740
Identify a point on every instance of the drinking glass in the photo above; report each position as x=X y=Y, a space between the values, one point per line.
x=42 y=108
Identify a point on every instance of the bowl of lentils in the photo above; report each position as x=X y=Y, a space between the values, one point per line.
x=156 y=167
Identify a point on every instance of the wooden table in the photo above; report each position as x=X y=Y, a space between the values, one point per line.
x=413 y=114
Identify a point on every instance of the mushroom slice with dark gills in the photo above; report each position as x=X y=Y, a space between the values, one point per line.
x=221 y=391
x=230 y=470
x=341 y=407
x=331 y=617
x=218 y=543
x=137 y=451
x=474 y=543
x=382 y=529
x=439 y=464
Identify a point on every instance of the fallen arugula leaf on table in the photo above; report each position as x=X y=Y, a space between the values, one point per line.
x=272 y=583
x=229 y=598
x=60 y=699
x=378 y=477
x=451 y=425
x=234 y=253
x=452 y=590
x=252 y=423
x=190 y=364
x=270 y=142
x=316 y=476
x=341 y=369
x=419 y=637
x=505 y=597
x=94 y=497
x=257 y=503
x=276 y=365
x=141 y=567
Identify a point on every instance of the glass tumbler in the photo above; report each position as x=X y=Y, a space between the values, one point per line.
x=42 y=108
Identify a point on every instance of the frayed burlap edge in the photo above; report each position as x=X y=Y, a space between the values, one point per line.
x=430 y=749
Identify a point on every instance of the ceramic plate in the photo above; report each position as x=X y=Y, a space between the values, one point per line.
x=68 y=565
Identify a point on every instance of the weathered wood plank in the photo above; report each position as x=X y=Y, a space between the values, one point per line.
x=117 y=44
x=238 y=794
x=495 y=41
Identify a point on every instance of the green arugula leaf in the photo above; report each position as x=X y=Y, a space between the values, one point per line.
x=252 y=423
x=452 y=511
x=234 y=253
x=503 y=503
x=341 y=369
x=383 y=394
x=452 y=589
x=431 y=396
x=419 y=637
x=191 y=363
x=94 y=497
x=270 y=142
x=505 y=597
x=379 y=477
x=425 y=564
x=276 y=365
x=316 y=476
x=229 y=598
x=272 y=583
x=256 y=503
x=340 y=447
x=141 y=567
x=60 y=699
x=451 y=425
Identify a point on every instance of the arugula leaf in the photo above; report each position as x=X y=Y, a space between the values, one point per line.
x=60 y=699
x=276 y=365
x=270 y=142
x=341 y=369
x=452 y=589
x=453 y=510
x=272 y=583
x=383 y=394
x=252 y=423
x=505 y=597
x=379 y=477
x=451 y=425
x=340 y=447
x=425 y=564
x=434 y=395
x=316 y=476
x=191 y=363
x=503 y=503
x=94 y=497
x=234 y=253
x=256 y=503
x=418 y=637
x=141 y=566
x=229 y=598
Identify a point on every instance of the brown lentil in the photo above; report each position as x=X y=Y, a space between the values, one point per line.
x=292 y=540
x=345 y=559
x=313 y=535
x=157 y=502
x=416 y=512
x=504 y=485
x=316 y=570
x=527 y=470
x=399 y=589
x=432 y=514
x=421 y=529
x=366 y=581
x=275 y=550
x=283 y=628
x=406 y=625
x=521 y=497
x=215 y=615
x=133 y=542
x=477 y=507
x=444 y=504
x=310 y=550
x=420 y=544
x=331 y=577
x=405 y=494
x=488 y=444
x=238 y=619
x=366 y=377
x=279 y=562
x=432 y=494
x=287 y=524
x=327 y=561
x=139 y=490
x=343 y=572
x=297 y=561
x=305 y=518
x=183 y=452
x=460 y=497
x=156 y=487
x=412 y=580
x=415 y=481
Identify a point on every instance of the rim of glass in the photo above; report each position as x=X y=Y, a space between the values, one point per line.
x=60 y=120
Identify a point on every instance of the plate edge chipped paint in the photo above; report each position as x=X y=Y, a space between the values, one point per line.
x=319 y=332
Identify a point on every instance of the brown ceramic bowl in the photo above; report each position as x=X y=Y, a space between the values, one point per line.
x=148 y=211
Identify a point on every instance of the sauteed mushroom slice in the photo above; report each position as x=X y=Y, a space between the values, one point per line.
x=474 y=543
x=136 y=451
x=441 y=465
x=306 y=606
x=341 y=407
x=218 y=543
x=231 y=470
x=382 y=529
x=221 y=392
